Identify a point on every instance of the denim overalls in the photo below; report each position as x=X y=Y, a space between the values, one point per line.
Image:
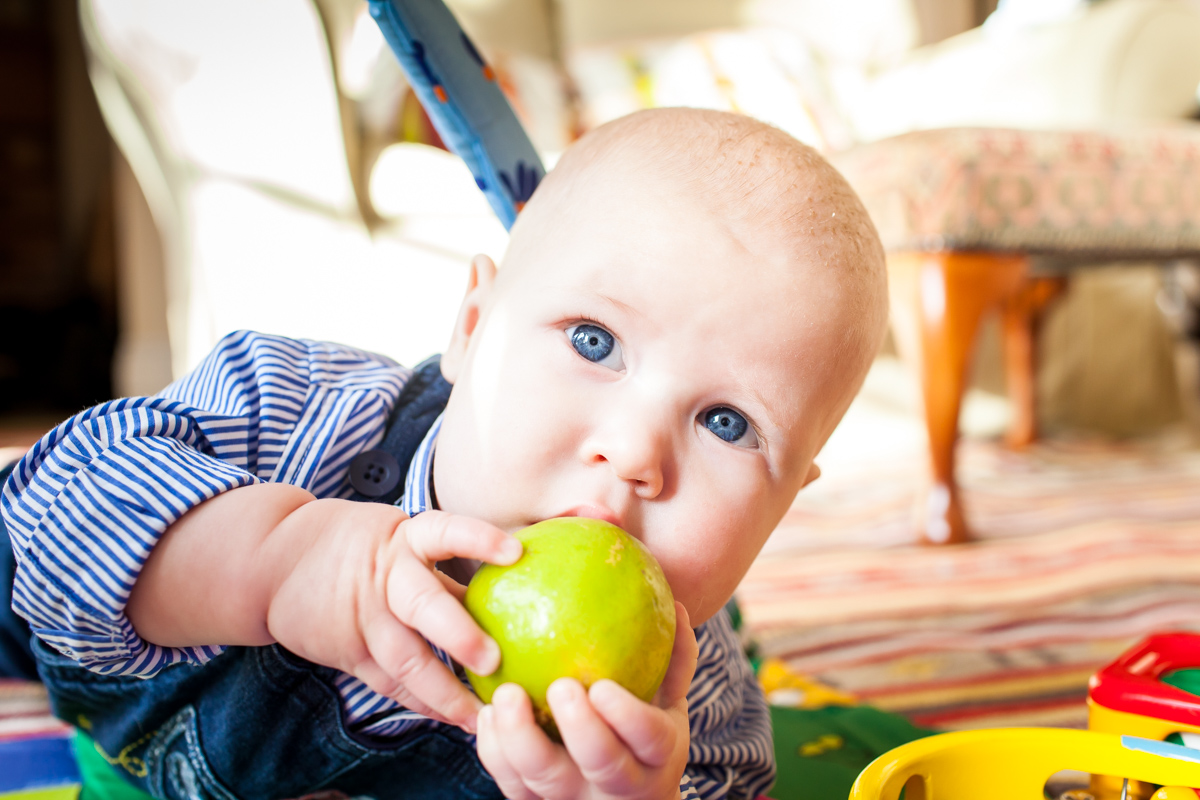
x=255 y=723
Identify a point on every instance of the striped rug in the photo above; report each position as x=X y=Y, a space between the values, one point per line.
x=1084 y=547
x=25 y=712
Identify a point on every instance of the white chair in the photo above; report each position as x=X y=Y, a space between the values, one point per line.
x=229 y=114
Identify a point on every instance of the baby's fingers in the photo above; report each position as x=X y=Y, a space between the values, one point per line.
x=452 y=586
x=422 y=600
x=438 y=536
x=603 y=758
x=544 y=767
x=491 y=755
x=402 y=663
x=683 y=661
x=419 y=599
x=650 y=733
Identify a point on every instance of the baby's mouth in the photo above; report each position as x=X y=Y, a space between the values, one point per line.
x=593 y=512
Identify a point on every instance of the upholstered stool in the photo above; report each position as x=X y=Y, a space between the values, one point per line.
x=982 y=220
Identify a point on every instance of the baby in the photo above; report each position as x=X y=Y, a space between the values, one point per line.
x=689 y=302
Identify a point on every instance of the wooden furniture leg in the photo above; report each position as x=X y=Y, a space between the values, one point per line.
x=938 y=301
x=1020 y=316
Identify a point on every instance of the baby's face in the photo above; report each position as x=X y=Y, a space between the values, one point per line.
x=644 y=365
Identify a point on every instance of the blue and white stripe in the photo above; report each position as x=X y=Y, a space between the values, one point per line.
x=87 y=504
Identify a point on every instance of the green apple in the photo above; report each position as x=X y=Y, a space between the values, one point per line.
x=586 y=600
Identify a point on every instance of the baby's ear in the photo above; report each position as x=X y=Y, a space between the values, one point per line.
x=814 y=472
x=479 y=286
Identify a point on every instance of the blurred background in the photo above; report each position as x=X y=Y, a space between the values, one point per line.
x=268 y=161
x=170 y=172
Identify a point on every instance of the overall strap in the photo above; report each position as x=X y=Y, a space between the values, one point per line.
x=423 y=398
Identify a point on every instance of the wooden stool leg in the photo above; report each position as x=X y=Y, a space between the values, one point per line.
x=1020 y=316
x=938 y=301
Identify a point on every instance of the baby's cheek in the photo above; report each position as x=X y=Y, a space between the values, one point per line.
x=697 y=578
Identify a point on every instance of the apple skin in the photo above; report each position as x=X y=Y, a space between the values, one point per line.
x=586 y=600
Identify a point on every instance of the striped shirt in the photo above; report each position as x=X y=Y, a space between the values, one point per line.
x=88 y=502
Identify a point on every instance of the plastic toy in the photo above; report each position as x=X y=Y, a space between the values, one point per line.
x=1175 y=793
x=1014 y=764
x=1139 y=694
x=784 y=687
x=1131 y=696
x=459 y=92
x=39 y=767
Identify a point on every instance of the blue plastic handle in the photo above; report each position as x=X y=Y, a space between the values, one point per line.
x=459 y=93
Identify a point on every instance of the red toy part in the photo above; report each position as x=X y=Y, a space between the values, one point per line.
x=1132 y=684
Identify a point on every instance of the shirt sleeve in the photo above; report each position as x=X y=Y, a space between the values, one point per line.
x=85 y=507
x=732 y=753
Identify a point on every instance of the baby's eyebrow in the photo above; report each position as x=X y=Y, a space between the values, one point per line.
x=618 y=305
x=761 y=399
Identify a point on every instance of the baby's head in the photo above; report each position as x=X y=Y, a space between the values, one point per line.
x=688 y=304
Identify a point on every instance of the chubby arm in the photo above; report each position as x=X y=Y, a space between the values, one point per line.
x=209 y=580
x=86 y=507
x=348 y=585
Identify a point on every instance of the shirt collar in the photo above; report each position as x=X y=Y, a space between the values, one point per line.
x=418 y=483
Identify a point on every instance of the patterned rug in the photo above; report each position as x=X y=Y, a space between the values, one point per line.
x=25 y=711
x=1085 y=546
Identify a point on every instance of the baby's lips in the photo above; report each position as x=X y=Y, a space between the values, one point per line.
x=594 y=512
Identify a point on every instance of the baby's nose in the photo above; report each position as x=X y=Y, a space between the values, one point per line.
x=643 y=469
x=638 y=452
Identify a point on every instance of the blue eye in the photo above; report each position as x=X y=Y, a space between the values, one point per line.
x=596 y=345
x=727 y=424
x=591 y=342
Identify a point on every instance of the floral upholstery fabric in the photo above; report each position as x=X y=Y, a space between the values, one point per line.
x=1121 y=194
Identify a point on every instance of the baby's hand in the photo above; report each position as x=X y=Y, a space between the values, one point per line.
x=616 y=746
x=364 y=591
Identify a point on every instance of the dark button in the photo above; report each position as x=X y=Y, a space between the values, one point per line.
x=374 y=473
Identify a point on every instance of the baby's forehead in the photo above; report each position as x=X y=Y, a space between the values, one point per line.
x=764 y=190
x=646 y=230
x=687 y=180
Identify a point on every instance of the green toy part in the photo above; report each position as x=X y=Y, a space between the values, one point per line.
x=820 y=751
x=1187 y=680
x=100 y=780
